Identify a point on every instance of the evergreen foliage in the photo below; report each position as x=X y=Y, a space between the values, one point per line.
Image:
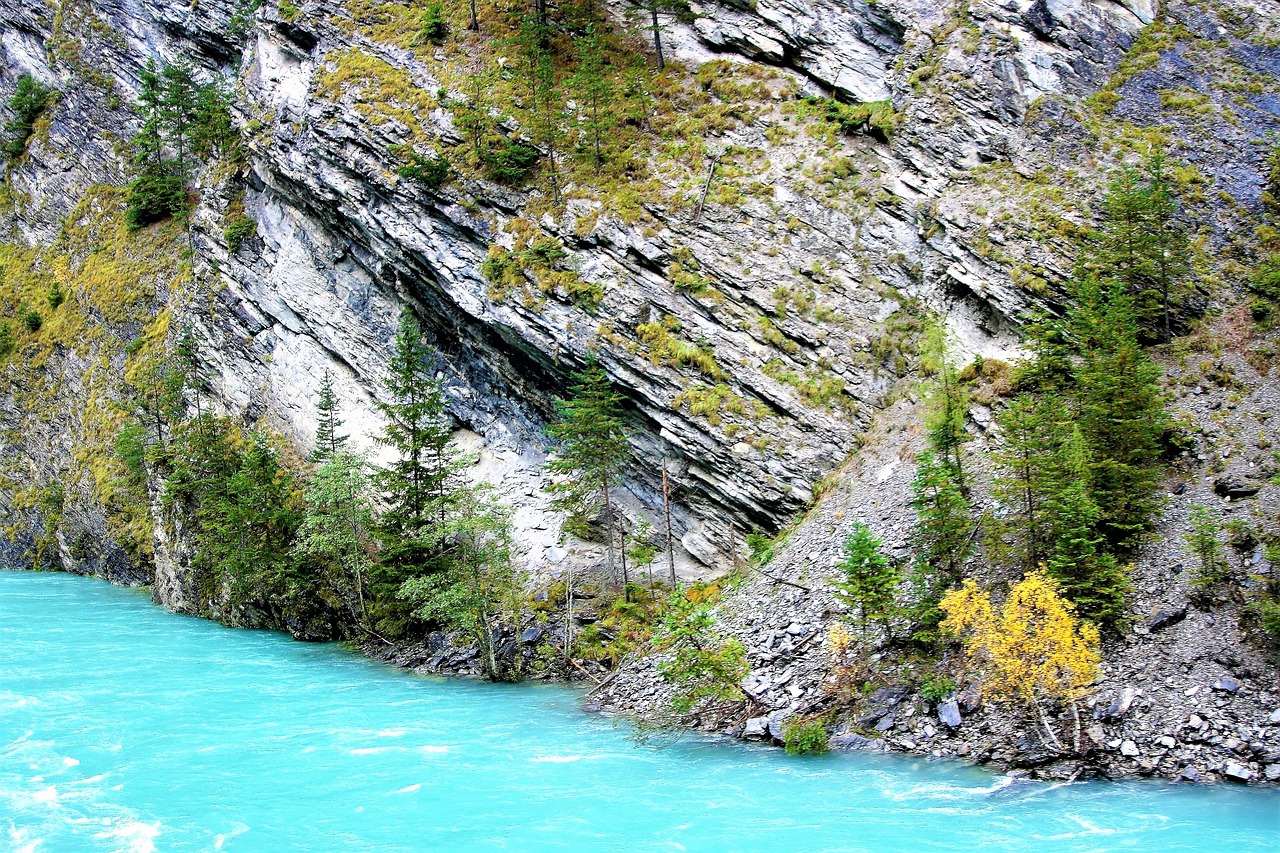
x=478 y=591
x=868 y=579
x=592 y=451
x=947 y=404
x=329 y=438
x=335 y=534
x=1142 y=245
x=1212 y=567
x=29 y=101
x=417 y=487
x=181 y=120
x=701 y=663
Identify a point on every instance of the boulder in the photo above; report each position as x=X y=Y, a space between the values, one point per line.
x=1272 y=772
x=1274 y=719
x=879 y=704
x=850 y=740
x=1235 y=486
x=949 y=714
x=1226 y=684
x=1129 y=749
x=1189 y=774
x=757 y=728
x=1237 y=772
x=532 y=634
x=1164 y=615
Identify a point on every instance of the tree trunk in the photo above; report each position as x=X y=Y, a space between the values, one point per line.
x=474 y=25
x=666 y=506
x=608 y=527
x=568 y=614
x=657 y=36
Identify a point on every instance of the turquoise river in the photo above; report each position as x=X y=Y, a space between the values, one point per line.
x=124 y=727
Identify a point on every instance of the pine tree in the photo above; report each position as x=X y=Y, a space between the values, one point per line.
x=1086 y=574
x=1142 y=245
x=943 y=525
x=546 y=113
x=1121 y=411
x=479 y=591
x=593 y=87
x=947 y=406
x=328 y=438
x=417 y=487
x=867 y=579
x=1034 y=431
x=656 y=9
x=592 y=452
x=335 y=534
x=1205 y=545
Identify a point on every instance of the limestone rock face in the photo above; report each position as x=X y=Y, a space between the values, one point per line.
x=987 y=98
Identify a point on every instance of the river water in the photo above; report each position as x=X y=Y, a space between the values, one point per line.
x=124 y=727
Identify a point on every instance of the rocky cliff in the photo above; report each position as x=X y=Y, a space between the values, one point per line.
x=753 y=280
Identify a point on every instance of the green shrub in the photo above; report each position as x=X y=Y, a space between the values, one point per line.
x=288 y=11
x=431 y=172
x=6 y=340
x=237 y=230
x=432 y=27
x=1265 y=280
x=32 y=320
x=153 y=198
x=29 y=101
x=512 y=162
x=805 y=736
x=761 y=547
x=936 y=688
x=876 y=118
x=55 y=296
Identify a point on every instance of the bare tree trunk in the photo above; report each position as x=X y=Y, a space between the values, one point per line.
x=657 y=36
x=666 y=506
x=568 y=615
x=1048 y=729
x=608 y=526
x=474 y=26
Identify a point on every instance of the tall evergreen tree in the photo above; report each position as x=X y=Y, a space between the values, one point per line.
x=1142 y=245
x=592 y=452
x=329 y=439
x=593 y=87
x=335 y=535
x=1034 y=430
x=479 y=591
x=417 y=486
x=943 y=525
x=1121 y=412
x=1089 y=576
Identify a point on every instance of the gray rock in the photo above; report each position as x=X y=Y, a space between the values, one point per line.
x=848 y=740
x=532 y=634
x=1189 y=774
x=1272 y=772
x=1226 y=684
x=1274 y=719
x=1235 y=486
x=1237 y=772
x=949 y=714
x=880 y=703
x=1129 y=749
x=757 y=728
x=1164 y=615
x=776 y=725
x=1121 y=703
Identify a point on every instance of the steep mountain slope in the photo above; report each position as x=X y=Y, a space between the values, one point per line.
x=751 y=268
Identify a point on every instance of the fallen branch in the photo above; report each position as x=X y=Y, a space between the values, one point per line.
x=706 y=188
